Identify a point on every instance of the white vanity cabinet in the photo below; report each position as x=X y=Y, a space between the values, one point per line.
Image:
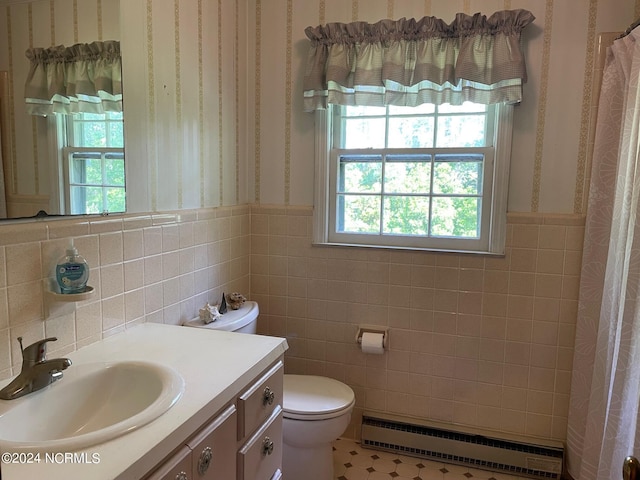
x=230 y=404
x=260 y=426
x=242 y=442
x=208 y=455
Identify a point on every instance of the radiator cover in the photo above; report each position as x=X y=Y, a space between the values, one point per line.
x=472 y=448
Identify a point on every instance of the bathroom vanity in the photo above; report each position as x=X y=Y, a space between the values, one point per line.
x=227 y=424
x=242 y=442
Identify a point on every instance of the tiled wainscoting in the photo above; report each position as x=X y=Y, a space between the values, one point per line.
x=157 y=267
x=474 y=340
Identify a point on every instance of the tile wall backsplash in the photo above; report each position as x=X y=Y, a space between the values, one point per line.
x=153 y=267
x=475 y=340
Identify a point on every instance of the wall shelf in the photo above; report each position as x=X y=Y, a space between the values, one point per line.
x=71 y=297
x=57 y=303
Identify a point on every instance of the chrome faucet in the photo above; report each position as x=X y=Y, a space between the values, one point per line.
x=37 y=372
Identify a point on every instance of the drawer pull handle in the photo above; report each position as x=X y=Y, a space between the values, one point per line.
x=267 y=446
x=204 y=461
x=182 y=476
x=268 y=397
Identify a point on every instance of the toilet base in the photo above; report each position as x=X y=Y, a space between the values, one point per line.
x=307 y=452
x=307 y=463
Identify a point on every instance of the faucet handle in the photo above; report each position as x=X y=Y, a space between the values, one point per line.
x=36 y=352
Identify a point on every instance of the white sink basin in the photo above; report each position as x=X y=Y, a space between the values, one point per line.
x=92 y=403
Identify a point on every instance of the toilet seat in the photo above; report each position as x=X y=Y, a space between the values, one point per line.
x=311 y=397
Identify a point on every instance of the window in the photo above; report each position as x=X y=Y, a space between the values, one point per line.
x=93 y=163
x=426 y=177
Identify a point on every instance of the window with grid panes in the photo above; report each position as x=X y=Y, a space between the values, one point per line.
x=93 y=161
x=426 y=177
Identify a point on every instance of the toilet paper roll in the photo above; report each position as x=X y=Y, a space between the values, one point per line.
x=372 y=343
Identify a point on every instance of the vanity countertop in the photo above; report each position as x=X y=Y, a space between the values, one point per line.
x=215 y=365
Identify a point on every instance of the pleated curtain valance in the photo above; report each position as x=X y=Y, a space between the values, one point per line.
x=409 y=62
x=81 y=78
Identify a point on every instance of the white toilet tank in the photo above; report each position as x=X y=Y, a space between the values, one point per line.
x=243 y=320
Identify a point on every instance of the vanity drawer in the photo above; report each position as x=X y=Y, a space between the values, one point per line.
x=212 y=452
x=178 y=467
x=261 y=457
x=260 y=400
x=208 y=455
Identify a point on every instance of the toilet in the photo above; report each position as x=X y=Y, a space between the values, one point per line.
x=316 y=410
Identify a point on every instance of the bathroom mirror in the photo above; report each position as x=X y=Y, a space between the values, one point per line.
x=34 y=175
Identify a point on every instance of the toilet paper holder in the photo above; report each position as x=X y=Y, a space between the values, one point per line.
x=373 y=329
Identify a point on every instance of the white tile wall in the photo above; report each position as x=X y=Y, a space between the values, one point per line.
x=151 y=267
x=480 y=341
x=474 y=340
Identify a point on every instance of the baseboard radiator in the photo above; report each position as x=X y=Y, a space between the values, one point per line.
x=472 y=448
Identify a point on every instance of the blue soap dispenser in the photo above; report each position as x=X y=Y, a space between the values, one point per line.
x=72 y=271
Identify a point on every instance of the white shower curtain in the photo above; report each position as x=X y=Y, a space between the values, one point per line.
x=605 y=391
x=3 y=201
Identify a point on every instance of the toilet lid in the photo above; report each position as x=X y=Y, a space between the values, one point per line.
x=314 y=396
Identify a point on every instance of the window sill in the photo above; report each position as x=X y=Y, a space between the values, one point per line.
x=416 y=249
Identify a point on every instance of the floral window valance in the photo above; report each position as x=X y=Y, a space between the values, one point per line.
x=81 y=78
x=409 y=62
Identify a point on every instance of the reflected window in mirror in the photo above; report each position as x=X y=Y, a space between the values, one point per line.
x=92 y=157
x=73 y=87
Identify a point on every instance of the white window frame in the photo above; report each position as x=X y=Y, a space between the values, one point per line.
x=60 y=128
x=494 y=203
x=105 y=153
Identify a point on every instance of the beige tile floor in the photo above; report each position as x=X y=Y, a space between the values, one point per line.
x=352 y=462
